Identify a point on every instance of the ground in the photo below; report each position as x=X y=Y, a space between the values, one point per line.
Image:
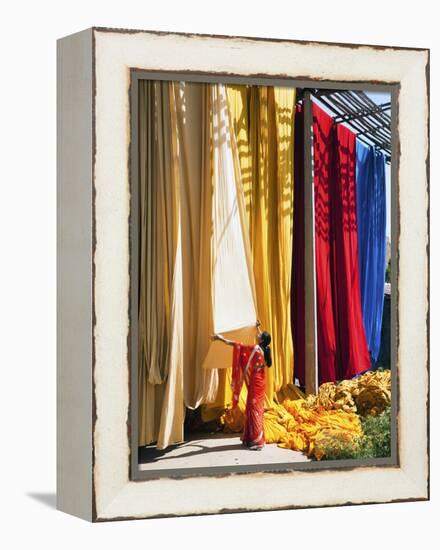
x=218 y=449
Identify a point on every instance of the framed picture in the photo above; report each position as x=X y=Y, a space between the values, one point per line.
x=243 y=294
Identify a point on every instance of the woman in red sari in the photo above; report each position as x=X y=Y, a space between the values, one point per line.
x=248 y=366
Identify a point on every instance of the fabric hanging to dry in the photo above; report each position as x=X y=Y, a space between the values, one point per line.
x=371 y=216
x=342 y=345
x=194 y=161
x=263 y=119
x=175 y=308
x=160 y=380
x=195 y=263
x=263 y=122
x=233 y=287
x=297 y=301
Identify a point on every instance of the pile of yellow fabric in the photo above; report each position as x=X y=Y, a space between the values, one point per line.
x=369 y=394
x=292 y=425
x=309 y=424
x=311 y=428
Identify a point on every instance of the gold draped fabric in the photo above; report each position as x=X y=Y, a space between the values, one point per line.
x=194 y=121
x=179 y=128
x=176 y=272
x=263 y=121
x=266 y=157
x=293 y=424
x=160 y=380
x=175 y=317
x=233 y=287
x=307 y=424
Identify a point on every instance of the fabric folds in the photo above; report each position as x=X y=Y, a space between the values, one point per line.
x=160 y=381
x=194 y=162
x=195 y=261
x=175 y=308
x=371 y=217
x=297 y=299
x=342 y=345
x=263 y=120
x=323 y=135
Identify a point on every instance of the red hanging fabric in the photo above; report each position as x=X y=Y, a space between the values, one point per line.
x=322 y=166
x=342 y=345
x=352 y=357
x=297 y=304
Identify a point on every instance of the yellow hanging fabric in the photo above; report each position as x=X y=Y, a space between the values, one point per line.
x=233 y=288
x=237 y=100
x=271 y=221
x=175 y=307
x=176 y=317
x=161 y=409
x=263 y=121
x=190 y=197
x=194 y=118
x=284 y=100
x=294 y=425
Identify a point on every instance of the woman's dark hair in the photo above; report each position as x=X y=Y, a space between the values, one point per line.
x=265 y=340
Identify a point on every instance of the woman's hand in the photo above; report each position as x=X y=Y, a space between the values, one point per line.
x=258 y=324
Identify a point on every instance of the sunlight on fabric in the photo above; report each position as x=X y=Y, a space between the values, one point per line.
x=233 y=300
x=233 y=297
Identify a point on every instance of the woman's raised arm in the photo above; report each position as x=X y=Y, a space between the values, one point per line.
x=222 y=339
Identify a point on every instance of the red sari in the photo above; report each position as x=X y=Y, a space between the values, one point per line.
x=248 y=366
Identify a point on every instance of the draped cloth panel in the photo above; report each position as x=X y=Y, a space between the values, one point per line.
x=371 y=217
x=181 y=170
x=342 y=344
x=263 y=120
x=233 y=281
x=194 y=115
x=195 y=262
x=284 y=104
x=161 y=404
x=175 y=306
x=238 y=103
x=322 y=169
x=233 y=287
x=297 y=302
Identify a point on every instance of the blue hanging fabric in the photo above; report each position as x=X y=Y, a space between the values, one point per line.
x=371 y=219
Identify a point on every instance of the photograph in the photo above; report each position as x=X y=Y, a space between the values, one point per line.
x=263 y=220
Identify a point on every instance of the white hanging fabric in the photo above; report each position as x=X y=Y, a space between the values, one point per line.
x=233 y=288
